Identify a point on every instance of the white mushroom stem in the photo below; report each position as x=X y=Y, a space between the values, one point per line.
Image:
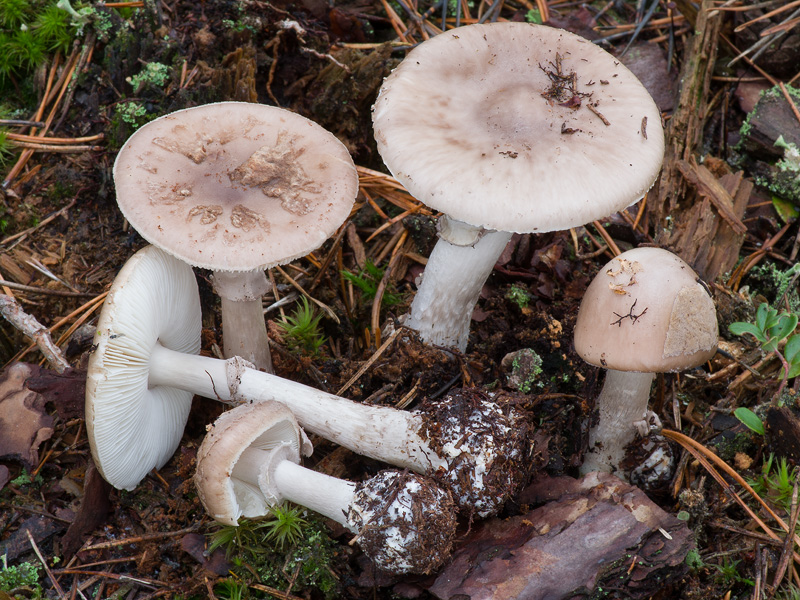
x=451 y=284
x=382 y=433
x=286 y=480
x=621 y=403
x=244 y=330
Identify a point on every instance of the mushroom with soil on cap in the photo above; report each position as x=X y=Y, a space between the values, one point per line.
x=525 y=128
x=469 y=443
x=236 y=188
x=646 y=312
x=249 y=462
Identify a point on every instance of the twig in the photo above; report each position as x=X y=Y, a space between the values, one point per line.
x=607 y=238
x=705 y=456
x=38 y=290
x=370 y=362
x=27 y=324
x=89 y=306
x=766 y=15
x=790 y=101
x=57 y=587
x=41 y=223
x=379 y=291
x=139 y=538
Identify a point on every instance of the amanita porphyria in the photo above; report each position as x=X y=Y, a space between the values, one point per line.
x=236 y=188
x=509 y=127
x=645 y=312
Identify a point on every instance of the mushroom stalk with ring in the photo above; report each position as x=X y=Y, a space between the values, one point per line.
x=452 y=281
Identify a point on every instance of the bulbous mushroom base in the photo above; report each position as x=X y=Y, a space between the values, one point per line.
x=406 y=523
x=485 y=448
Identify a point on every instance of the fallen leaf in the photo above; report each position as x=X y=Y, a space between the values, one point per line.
x=23 y=422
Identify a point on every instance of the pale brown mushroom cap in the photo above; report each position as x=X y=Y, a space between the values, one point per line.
x=235 y=186
x=482 y=124
x=264 y=426
x=646 y=311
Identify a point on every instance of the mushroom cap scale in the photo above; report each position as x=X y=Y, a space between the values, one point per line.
x=525 y=128
x=646 y=311
x=133 y=428
x=235 y=186
x=266 y=426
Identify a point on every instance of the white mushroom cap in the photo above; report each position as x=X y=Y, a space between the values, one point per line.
x=235 y=186
x=646 y=311
x=483 y=123
x=133 y=428
x=268 y=426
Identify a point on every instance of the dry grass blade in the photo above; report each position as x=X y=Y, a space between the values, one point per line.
x=326 y=309
x=706 y=457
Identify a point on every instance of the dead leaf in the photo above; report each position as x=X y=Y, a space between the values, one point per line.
x=65 y=390
x=23 y=422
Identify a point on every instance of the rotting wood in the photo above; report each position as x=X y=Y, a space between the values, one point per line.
x=710 y=233
x=685 y=129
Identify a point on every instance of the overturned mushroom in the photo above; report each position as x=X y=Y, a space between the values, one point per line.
x=236 y=188
x=470 y=444
x=248 y=462
x=509 y=127
x=646 y=312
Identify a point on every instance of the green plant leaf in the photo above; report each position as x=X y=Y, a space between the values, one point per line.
x=740 y=328
x=763 y=313
x=786 y=324
x=749 y=419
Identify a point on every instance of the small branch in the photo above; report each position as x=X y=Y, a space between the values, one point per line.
x=28 y=325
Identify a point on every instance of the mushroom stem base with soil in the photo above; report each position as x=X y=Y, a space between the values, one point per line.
x=451 y=284
x=621 y=403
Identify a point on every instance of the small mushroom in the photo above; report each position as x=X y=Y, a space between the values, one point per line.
x=646 y=312
x=249 y=462
x=236 y=188
x=470 y=444
x=509 y=127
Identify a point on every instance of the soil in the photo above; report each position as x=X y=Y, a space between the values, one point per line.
x=64 y=240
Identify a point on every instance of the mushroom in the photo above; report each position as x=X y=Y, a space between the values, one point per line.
x=525 y=128
x=468 y=442
x=249 y=462
x=646 y=312
x=236 y=188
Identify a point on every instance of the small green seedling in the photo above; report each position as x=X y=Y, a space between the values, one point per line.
x=776 y=481
x=770 y=329
x=301 y=329
x=367 y=281
x=750 y=419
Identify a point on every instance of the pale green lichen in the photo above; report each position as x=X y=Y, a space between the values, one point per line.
x=785 y=180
